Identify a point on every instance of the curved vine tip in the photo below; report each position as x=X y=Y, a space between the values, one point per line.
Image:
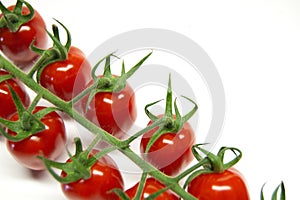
x=217 y=164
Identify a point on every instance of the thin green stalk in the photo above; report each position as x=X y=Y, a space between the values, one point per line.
x=190 y=170
x=141 y=132
x=83 y=93
x=37 y=65
x=141 y=186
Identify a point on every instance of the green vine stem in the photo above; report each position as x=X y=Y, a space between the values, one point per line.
x=123 y=147
x=141 y=186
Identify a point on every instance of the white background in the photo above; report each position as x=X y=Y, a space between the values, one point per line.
x=255 y=46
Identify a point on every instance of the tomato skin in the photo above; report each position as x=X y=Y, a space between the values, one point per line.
x=152 y=186
x=67 y=78
x=16 y=46
x=228 y=185
x=105 y=176
x=171 y=152
x=7 y=104
x=49 y=143
x=115 y=112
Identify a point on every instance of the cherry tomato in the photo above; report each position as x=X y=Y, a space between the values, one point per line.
x=7 y=104
x=16 y=45
x=67 y=78
x=228 y=185
x=115 y=112
x=49 y=143
x=105 y=176
x=171 y=152
x=152 y=186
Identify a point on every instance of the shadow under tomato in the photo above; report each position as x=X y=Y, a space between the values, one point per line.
x=38 y=174
x=1 y=138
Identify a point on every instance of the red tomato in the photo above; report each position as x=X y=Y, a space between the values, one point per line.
x=228 y=185
x=49 y=143
x=7 y=104
x=105 y=176
x=16 y=46
x=67 y=78
x=172 y=151
x=115 y=112
x=152 y=186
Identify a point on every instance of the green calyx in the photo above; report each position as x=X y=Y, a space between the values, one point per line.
x=279 y=191
x=80 y=163
x=58 y=52
x=171 y=123
x=13 y=20
x=108 y=82
x=212 y=163
x=216 y=162
x=28 y=123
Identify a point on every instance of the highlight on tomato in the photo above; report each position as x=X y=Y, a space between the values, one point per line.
x=20 y=27
x=168 y=146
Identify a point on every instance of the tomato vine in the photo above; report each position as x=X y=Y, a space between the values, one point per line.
x=79 y=166
x=67 y=107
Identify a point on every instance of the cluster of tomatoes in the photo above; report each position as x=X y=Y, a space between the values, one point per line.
x=36 y=135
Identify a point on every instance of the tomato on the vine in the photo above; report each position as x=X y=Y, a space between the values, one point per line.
x=105 y=176
x=111 y=103
x=6 y=102
x=15 y=44
x=115 y=112
x=171 y=152
x=227 y=185
x=168 y=146
x=152 y=186
x=217 y=180
x=67 y=78
x=49 y=142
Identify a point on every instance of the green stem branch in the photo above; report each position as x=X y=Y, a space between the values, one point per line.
x=191 y=169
